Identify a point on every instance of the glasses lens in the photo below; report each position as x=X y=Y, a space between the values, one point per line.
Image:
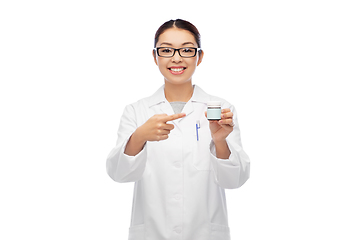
x=188 y=52
x=166 y=52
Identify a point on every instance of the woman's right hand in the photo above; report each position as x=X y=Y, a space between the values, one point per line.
x=154 y=129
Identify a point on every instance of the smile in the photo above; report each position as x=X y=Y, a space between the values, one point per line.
x=177 y=71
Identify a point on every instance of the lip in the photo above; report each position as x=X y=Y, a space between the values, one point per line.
x=177 y=73
x=177 y=67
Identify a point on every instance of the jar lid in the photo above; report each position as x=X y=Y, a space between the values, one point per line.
x=214 y=104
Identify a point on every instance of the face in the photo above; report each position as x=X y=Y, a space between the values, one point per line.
x=177 y=38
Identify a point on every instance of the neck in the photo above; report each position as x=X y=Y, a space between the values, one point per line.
x=178 y=92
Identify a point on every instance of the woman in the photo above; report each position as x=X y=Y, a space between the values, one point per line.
x=181 y=163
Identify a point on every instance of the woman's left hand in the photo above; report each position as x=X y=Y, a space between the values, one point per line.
x=222 y=128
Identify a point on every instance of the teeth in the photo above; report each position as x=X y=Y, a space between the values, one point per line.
x=176 y=69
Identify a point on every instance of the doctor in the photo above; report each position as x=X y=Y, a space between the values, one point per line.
x=181 y=163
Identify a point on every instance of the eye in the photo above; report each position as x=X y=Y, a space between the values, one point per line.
x=165 y=50
x=188 y=50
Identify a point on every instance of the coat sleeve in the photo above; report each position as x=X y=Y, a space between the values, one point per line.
x=233 y=172
x=122 y=167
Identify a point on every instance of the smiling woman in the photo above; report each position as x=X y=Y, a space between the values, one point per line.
x=180 y=161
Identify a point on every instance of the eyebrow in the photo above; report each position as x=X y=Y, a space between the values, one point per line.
x=185 y=43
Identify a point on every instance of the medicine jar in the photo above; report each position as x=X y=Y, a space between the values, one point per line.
x=214 y=110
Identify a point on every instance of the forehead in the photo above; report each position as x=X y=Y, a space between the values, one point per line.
x=176 y=37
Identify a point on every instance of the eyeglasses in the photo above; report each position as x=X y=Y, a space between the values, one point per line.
x=183 y=52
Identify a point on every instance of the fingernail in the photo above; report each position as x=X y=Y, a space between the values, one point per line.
x=220 y=121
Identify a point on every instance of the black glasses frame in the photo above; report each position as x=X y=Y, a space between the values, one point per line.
x=177 y=49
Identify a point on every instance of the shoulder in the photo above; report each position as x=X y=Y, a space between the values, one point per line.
x=143 y=104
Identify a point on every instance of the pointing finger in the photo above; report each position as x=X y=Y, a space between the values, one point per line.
x=174 y=117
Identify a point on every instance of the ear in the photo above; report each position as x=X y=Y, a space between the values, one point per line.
x=154 y=55
x=200 y=58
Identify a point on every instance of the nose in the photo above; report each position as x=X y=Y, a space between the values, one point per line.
x=176 y=57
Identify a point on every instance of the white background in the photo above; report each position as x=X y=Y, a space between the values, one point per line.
x=68 y=68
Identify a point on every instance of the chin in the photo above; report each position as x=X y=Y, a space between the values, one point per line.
x=177 y=82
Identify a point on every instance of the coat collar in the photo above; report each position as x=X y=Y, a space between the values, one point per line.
x=159 y=96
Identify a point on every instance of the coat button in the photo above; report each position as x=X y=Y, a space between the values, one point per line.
x=177 y=165
x=177 y=196
x=177 y=230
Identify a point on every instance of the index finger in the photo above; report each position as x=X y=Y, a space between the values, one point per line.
x=174 y=117
x=225 y=110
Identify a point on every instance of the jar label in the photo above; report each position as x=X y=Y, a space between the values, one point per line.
x=214 y=113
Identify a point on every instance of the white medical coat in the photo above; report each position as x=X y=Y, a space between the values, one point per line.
x=180 y=184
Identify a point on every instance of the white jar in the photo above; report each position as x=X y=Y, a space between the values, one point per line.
x=214 y=110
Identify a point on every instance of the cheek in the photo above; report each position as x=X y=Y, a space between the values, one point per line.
x=192 y=64
x=163 y=62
